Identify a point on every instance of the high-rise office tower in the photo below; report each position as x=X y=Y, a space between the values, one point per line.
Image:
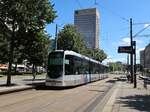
x=87 y=23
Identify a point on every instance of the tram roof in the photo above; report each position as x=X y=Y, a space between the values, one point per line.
x=80 y=55
x=69 y=52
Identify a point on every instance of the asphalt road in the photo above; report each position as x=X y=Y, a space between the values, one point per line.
x=44 y=99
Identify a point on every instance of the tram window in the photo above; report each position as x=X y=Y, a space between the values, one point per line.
x=92 y=67
x=69 y=64
x=55 y=64
x=84 y=66
x=77 y=65
x=102 y=69
x=97 y=68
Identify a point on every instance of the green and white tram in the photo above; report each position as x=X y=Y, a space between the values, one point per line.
x=68 y=68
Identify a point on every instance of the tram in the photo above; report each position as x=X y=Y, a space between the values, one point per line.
x=68 y=68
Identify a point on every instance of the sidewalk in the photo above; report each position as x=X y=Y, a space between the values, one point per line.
x=125 y=98
x=20 y=84
x=6 y=90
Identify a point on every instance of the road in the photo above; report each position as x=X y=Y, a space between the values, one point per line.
x=44 y=99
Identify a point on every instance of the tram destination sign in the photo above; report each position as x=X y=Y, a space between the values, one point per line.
x=125 y=49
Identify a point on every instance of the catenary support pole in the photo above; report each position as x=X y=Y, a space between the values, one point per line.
x=135 y=81
x=131 y=54
x=56 y=37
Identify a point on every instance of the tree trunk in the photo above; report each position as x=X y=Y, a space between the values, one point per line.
x=15 y=69
x=11 y=54
x=33 y=72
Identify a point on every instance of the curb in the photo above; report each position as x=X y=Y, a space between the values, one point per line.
x=15 y=89
x=100 y=106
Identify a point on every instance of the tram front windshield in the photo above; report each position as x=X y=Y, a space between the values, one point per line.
x=55 y=64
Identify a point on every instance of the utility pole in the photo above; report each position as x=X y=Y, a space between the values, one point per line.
x=128 y=64
x=56 y=37
x=135 y=82
x=131 y=54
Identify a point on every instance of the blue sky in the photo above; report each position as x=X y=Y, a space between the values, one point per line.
x=114 y=25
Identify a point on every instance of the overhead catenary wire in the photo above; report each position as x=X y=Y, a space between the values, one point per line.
x=78 y=2
x=112 y=12
x=95 y=2
x=141 y=30
x=145 y=35
x=141 y=23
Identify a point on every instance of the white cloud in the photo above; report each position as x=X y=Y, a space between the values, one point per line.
x=138 y=52
x=140 y=49
x=114 y=60
x=146 y=25
x=109 y=60
x=126 y=41
x=138 y=41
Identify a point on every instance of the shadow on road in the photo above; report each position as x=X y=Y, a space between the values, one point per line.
x=101 y=91
x=34 y=80
x=44 y=87
x=11 y=85
x=111 y=81
x=138 y=102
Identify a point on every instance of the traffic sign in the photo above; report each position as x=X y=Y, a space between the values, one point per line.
x=124 y=49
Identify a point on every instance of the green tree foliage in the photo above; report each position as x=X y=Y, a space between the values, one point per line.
x=97 y=54
x=70 y=39
x=115 y=67
x=3 y=49
x=19 y=18
x=36 y=50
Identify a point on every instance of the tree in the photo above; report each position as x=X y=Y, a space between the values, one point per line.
x=18 y=17
x=3 y=49
x=115 y=66
x=97 y=54
x=36 y=51
x=100 y=55
x=70 y=39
